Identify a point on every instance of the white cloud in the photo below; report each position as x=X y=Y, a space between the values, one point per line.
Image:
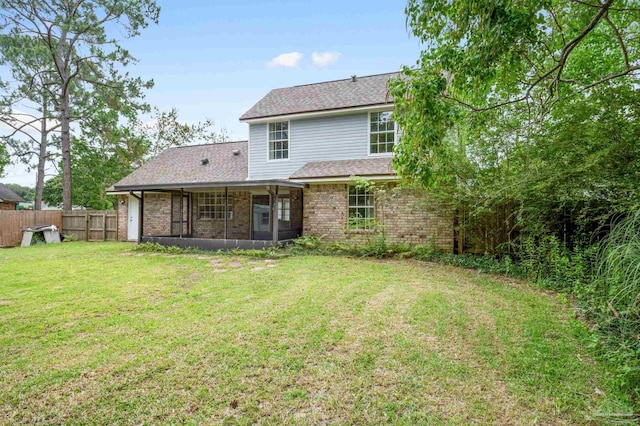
x=324 y=59
x=287 y=60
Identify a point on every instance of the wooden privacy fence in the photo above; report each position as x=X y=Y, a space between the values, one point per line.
x=91 y=225
x=13 y=222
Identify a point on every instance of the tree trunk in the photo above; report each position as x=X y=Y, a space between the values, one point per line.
x=42 y=156
x=65 y=138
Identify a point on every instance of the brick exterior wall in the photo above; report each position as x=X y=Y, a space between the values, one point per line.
x=406 y=216
x=8 y=205
x=325 y=211
x=238 y=228
x=157 y=214
x=123 y=217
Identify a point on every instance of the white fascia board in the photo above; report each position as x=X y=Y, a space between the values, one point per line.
x=312 y=114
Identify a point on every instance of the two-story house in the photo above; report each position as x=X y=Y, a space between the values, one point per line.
x=296 y=175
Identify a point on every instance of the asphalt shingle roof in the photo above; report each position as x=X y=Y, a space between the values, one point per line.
x=330 y=95
x=345 y=168
x=183 y=165
x=8 y=195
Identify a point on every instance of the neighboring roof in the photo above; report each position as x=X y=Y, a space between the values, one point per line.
x=345 y=168
x=8 y=195
x=330 y=95
x=184 y=165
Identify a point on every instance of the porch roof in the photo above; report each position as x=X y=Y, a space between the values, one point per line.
x=195 y=165
x=381 y=166
x=203 y=185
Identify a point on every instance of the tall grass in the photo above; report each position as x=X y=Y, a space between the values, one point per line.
x=617 y=299
x=618 y=274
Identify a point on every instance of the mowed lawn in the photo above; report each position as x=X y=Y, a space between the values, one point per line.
x=99 y=334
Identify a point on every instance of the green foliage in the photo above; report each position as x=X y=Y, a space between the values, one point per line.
x=531 y=104
x=4 y=158
x=52 y=191
x=27 y=193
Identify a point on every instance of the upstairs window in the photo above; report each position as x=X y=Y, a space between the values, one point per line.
x=382 y=133
x=279 y=140
x=211 y=205
x=361 y=207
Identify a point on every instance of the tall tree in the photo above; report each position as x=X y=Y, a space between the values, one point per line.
x=486 y=55
x=82 y=50
x=111 y=145
x=32 y=72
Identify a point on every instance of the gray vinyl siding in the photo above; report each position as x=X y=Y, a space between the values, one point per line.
x=342 y=137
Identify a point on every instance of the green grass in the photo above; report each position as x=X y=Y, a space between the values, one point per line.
x=96 y=333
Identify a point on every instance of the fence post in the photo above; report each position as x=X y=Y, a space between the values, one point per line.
x=104 y=227
x=86 y=226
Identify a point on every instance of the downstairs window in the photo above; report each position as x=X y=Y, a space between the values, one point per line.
x=361 y=206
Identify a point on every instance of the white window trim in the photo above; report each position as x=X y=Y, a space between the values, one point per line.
x=229 y=211
x=372 y=208
x=395 y=131
x=288 y=141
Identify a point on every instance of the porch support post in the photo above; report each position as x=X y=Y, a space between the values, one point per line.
x=141 y=217
x=274 y=215
x=181 y=210
x=226 y=207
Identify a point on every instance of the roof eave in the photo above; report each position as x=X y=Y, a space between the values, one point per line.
x=192 y=185
x=343 y=178
x=318 y=113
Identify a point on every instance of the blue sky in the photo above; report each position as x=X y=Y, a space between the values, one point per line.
x=211 y=59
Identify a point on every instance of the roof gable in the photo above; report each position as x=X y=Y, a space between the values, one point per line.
x=331 y=95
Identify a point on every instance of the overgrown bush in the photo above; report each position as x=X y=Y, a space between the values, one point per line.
x=159 y=248
x=269 y=253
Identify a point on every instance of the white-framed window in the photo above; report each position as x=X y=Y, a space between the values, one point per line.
x=211 y=205
x=278 y=138
x=382 y=133
x=284 y=209
x=361 y=206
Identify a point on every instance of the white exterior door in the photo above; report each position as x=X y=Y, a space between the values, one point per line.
x=132 y=225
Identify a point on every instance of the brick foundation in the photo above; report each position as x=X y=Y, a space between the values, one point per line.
x=405 y=216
